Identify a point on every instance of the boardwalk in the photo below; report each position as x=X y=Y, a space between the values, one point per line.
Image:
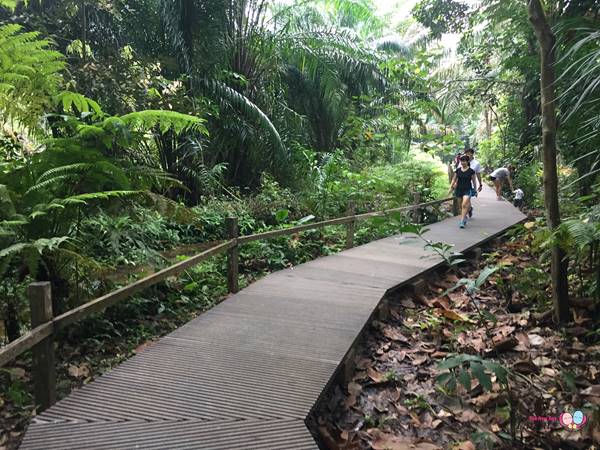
x=247 y=373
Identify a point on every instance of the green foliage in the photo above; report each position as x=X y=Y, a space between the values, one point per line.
x=441 y=16
x=473 y=286
x=134 y=238
x=29 y=75
x=462 y=369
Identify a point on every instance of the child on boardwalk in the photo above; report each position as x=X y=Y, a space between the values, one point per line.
x=519 y=194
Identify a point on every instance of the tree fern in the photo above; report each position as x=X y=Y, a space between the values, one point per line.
x=29 y=75
x=144 y=121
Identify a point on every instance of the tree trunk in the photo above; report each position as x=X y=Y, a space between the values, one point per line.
x=545 y=36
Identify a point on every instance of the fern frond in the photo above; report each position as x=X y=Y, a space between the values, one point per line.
x=29 y=75
x=225 y=94
x=144 y=121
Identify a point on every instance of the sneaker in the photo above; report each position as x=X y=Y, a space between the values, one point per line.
x=470 y=212
x=462 y=224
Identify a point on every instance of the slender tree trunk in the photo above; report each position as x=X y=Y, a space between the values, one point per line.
x=560 y=288
x=84 y=31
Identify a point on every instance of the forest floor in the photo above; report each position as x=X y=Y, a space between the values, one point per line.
x=395 y=402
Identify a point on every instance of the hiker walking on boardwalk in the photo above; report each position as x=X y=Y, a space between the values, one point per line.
x=462 y=184
x=498 y=176
x=477 y=168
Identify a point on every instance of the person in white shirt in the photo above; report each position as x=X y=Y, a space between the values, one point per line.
x=498 y=176
x=477 y=169
x=519 y=194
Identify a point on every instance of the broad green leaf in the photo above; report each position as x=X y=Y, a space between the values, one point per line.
x=479 y=372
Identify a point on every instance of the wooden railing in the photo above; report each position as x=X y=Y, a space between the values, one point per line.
x=44 y=325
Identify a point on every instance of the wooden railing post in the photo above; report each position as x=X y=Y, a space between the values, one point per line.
x=232 y=255
x=44 y=375
x=416 y=215
x=351 y=226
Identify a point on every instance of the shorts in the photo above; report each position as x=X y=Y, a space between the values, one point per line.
x=460 y=193
x=518 y=202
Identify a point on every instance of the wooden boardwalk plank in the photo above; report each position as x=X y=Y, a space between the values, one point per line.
x=247 y=373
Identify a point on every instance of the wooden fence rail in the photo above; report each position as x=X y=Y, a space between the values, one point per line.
x=44 y=325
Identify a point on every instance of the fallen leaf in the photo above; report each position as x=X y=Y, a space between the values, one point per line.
x=384 y=348
x=408 y=303
x=529 y=225
x=542 y=361
x=466 y=445
x=144 y=346
x=374 y=375
x=506 y=343
x=354 y=388
x=419 y=360
x=535 y=339
x=17 y=373
x=484 y=399
x=468 y=415
x=440 y=303
x=504 y=330
x=592 y=393
x=452 y=315
x=81 y=371
x=525 y=366
x=443 y=413
x=395 y=335
x=548 y=371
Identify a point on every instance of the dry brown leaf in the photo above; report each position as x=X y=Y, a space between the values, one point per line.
x=81 y=371
x=374 y=375
x=506 y=343
x=443 y=413
x=354 y=388
x=419 y=360
x=384 y=348
x=525 y=366
x=350 y=401
x=440 y=303
x=542 y=361
x=408 y=303
x=395 y=335
x=466 y=445
x=468 y=415
x=484 y=399
x=452 y=315
x=548 y=371
x=386 y=441
x=535 y=339
x=504 y=330
x=592 y=394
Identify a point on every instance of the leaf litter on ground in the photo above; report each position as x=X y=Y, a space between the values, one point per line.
x=394 y=402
